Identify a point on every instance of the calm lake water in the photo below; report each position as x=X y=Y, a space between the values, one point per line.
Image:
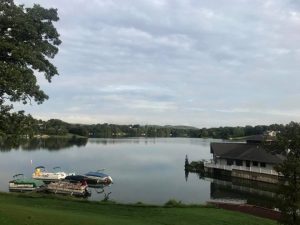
x=143 y=169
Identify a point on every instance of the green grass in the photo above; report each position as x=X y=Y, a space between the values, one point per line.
x=33 y=210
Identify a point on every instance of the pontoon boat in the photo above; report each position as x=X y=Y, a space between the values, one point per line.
x=40 y=173
x=21 y=184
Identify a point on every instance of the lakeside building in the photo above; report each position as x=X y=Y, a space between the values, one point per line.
x=244 y=160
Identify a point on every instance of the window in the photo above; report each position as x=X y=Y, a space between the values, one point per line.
x=248 y=163
x=254 y=163
x=262 y=164
x=238 y=162
x=229 y=162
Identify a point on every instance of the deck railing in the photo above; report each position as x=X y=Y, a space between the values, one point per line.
x=242 y=168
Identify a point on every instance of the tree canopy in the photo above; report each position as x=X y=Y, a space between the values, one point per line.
x=28 y=41
x=288 y=144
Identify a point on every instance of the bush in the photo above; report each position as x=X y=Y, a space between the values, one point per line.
x=174 y=203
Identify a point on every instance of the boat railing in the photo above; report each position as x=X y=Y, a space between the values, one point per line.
x=18 y=175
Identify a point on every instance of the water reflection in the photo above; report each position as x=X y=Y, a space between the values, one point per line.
x=101 y=192
x=254 y=192
x=110 y=141
x=50 y=144
x=53 y=144
x=191 y=141
x=186 y=175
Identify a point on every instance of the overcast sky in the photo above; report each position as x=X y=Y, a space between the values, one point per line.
x=190 y=62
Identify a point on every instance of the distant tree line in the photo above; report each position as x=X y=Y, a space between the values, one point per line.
x=32 y=127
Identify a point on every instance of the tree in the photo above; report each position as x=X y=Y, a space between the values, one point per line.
x=20 y=124
x=28 y=40
x=288 y=144
x=55 y=127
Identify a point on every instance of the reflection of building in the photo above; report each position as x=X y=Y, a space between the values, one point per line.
x=255 y=193
x=245 y=160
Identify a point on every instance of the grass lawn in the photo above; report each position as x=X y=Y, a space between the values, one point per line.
x=22 y=209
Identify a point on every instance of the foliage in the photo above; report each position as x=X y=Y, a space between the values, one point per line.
x=174 y=203
x=61 y=128
x=28 y=40
x=54 y=127
x=112 y=130
x=288 y=144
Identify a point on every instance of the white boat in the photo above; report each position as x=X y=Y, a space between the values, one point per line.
x=67 y=187
x=22 y=184
x=40 y=173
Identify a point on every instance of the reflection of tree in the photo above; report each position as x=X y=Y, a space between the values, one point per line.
x=186 y=174
x=50 y=144
x=106 y=197
x=101 y=190
x=108 y=141
x=200 y=174
x=11 y=143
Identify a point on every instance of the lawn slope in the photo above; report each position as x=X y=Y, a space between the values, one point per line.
x=39 y=210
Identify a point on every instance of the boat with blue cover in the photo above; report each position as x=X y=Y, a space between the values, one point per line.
x=92 y=182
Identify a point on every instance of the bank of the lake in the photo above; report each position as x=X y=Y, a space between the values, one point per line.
x=18 y=209
x=67 y=136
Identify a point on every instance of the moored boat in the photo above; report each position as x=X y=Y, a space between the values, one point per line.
x=40 y=173
x=22 y=184
x=67 y=187
x=92 y=182
x=98 y=178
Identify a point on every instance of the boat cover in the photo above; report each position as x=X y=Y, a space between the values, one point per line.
x=35 y=182
x=40 y=167
x=76 y=178
x=96 y=174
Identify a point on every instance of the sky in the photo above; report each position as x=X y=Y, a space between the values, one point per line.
x=204 y=63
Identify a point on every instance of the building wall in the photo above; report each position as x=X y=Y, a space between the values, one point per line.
x=224 y=162
x=255 y=176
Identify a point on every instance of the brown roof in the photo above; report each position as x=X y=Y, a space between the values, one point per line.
x=244 y=151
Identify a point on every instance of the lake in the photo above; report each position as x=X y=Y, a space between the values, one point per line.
x=148 y=170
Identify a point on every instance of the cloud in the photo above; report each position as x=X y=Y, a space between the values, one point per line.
x=200 y=63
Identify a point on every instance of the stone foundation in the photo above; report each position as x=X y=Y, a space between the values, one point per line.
x=255 y=176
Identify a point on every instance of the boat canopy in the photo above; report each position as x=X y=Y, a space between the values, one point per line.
x=76 y=177
x=18 y=175
x=57 y=167
x=36 y=183
x=40 y=167
x=96 y=174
